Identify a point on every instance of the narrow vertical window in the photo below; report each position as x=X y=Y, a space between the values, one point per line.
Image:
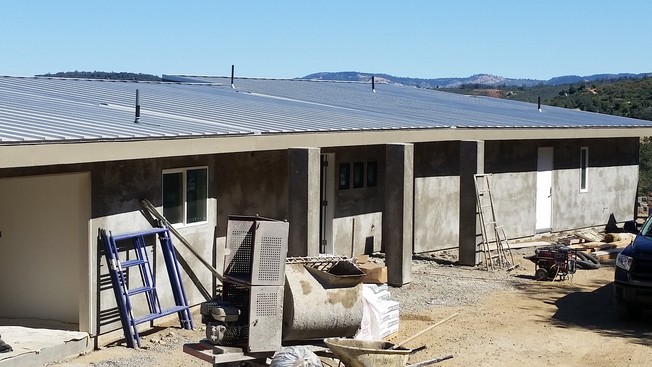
x=185 y=193
x=584 y=169
x=344 y=176
x=173 y=197
x=372 y=173
x=196 y=189
x=358 y=175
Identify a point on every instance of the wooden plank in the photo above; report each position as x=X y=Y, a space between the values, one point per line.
x=607 y=255
x=590 y=235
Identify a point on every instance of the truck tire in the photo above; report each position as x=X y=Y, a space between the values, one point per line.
x=587 y=261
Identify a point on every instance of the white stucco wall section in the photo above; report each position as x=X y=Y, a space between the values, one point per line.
x=44 y=254
x=436 y=213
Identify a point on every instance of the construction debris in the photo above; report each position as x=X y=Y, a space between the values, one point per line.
x=603 y=247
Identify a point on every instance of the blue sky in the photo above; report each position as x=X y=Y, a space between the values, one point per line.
x=286 y=39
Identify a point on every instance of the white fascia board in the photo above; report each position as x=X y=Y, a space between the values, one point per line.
x=53 y=153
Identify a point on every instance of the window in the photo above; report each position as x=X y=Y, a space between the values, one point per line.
x=372 y=173
x=358 y=175
x=185 y=192
x=584 y=169
x=344 y=176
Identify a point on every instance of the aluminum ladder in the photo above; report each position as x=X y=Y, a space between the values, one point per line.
x=495 y=245
x=120 y=279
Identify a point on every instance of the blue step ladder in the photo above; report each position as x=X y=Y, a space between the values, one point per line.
x=119 y=273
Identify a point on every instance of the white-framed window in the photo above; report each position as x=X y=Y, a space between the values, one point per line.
x=584 y=169
x=185 y=193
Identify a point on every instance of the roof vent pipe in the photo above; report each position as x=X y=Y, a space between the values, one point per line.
x=137 y=119
x=539 y=103
x=232 y=75
x=373 y=84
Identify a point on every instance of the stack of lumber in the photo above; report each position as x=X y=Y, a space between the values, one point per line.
x=602 y=246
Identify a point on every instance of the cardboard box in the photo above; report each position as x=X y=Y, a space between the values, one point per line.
x=374 y=273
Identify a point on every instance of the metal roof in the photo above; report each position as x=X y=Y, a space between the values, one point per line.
x=41 y=110
x=430 y=107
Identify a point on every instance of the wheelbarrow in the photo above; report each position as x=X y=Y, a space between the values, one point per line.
x=366 y=353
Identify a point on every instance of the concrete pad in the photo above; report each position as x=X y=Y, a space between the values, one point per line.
x=34 y=347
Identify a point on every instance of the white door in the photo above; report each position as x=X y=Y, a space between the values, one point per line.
x=327 y=197
x=544 y=189
x=43 y=245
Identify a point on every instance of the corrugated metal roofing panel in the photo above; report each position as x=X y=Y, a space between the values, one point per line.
x=44 y=109
x=429 y=106
x=50 y=109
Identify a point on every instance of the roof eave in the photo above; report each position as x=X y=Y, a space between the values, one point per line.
x=66 y=152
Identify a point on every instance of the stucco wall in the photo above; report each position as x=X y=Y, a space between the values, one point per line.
x=362 y=205
x=436 y=213
x=359 y=234
x=436 y=196
x=116 y=190
x=612 y=182
x=514 y=197
x=611 y=186
x=251 y=183
x=44 y=233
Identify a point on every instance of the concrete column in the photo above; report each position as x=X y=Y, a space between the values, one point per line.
x=399 y=212
x=303 y=201
x=471 y=162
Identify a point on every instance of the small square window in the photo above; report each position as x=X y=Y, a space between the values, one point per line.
x=372 y=173
x=358 y=175
x=344 y=176
x=185 y=193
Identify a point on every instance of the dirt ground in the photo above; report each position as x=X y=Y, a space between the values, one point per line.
x=522 y=322
x=561 y=323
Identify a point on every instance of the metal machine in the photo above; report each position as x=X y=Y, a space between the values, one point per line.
x=554 y=261
x=249 y=314
x=267 y=299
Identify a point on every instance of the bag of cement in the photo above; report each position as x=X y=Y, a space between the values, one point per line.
x=295 y=356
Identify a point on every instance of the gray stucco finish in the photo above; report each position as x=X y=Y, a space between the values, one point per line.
x=303 y=202
x=612 y=182
x=398 y=213
x=471 y=162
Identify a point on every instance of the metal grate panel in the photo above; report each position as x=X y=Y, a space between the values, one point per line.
x=271 y=251
x=267 y=304
x=241 y=246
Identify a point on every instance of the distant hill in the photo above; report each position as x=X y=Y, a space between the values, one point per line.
x=480 y=79
x=104 y=75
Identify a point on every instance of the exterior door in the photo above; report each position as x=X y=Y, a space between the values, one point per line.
x=544 y=189
x=327 y=198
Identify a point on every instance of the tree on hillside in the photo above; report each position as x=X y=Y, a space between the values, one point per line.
x=104 y=75
x=645 y=167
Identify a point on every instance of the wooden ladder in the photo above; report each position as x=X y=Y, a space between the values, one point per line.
x=495 y=245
